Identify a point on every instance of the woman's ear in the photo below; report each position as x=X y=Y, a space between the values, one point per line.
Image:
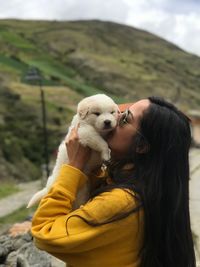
x=142 y=146
x=143 y=149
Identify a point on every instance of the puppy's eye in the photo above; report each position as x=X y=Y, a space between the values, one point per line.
x=96 y=113
x=112 y=112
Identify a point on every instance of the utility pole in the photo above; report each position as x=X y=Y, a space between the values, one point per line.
x=33 y=75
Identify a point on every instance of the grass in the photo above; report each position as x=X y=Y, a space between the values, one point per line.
x=64 y=74
x=12 y=63
x=16 y=40
x=19 y=215
x=8 y=189
x=51 y=67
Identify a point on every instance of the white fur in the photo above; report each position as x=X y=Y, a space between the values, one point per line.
x=92 y=129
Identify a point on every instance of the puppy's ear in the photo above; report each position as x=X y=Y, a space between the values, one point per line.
x=82 y=111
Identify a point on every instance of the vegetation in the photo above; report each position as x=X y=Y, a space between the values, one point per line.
x=8 y=189
x=77 y=59
x=17 y=216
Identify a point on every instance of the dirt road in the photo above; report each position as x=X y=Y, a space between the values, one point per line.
x=14 y=202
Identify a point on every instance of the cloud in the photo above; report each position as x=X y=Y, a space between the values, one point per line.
x=187 y=32
x=178 y=27
x=114 y=10
x=177 y=21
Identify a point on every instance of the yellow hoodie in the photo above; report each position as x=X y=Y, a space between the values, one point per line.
x=67 y=235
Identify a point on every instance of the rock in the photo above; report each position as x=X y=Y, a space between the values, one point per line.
x=20 y=228
x=6 y=246
x=20 y=241
x=35 y=257
x=20 y=251
x=11 y=259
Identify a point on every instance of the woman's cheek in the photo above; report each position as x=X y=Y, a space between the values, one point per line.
x=119 y=143
x=114 y=138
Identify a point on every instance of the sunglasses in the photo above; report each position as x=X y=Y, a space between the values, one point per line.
x=125 y=119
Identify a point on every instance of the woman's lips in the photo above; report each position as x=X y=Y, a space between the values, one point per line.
x=110 y=134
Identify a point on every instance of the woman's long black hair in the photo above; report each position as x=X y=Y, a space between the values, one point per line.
x=164 y=178
x=161 y=179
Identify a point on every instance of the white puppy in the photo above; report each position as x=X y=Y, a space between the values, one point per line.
x=96 y=116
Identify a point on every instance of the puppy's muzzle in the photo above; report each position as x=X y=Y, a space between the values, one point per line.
x=107 y=124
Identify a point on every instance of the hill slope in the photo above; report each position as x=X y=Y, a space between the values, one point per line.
x=78 y=59
x=104 y=55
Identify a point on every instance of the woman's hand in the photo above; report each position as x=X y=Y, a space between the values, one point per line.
x=78 y=155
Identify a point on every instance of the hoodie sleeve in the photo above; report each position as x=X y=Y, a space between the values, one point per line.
x=58 y=229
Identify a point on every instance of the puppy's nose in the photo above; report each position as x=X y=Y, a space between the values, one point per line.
x=107 y=123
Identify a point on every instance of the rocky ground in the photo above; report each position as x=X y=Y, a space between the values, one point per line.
x=16 y=243
x=19 y=251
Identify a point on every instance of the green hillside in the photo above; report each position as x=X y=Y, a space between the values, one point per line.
x=77 y=59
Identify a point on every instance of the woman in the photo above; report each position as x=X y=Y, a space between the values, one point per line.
x=138 y=216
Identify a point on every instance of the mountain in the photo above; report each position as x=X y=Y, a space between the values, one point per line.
x=77 y=59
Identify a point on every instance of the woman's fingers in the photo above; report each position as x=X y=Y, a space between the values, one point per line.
x=78 y=154
x=75 y=131
x=73 y=136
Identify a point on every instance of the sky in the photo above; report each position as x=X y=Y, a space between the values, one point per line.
x=177 y=21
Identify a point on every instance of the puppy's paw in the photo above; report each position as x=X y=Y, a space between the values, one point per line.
x=106 y=155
